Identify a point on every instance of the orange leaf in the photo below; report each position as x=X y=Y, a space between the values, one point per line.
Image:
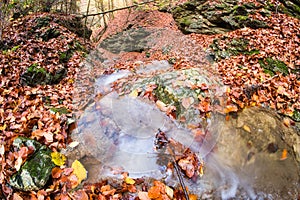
x=284 y=154
x=230 y=108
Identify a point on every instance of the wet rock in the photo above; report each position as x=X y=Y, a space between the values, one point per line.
x=173 y=88
x=253 y=165
x=35 y=172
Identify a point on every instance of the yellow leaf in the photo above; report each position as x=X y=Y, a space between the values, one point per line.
x=2 y=128
x=247 y=128
x=129 y=181
x=134 y=93
x=284 y=154
x=79 y=171
x=58 y=158
x=201 y=171
x=169 y=192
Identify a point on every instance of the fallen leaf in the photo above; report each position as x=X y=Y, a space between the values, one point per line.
x=187 y=102
x=143 y=195
x=73 y=144
x=79 y=171
x=230 y=108
x=129 y=181
x=2 y=128
x=193 y=197
x=2 y=149
x=18 y=163
x=106 y=190
x=58 y=158
x=169 y=192
x=286 y=122
x=161 y=105
x=284 y=154
x=134 y=93
x=80 y=195
x=247 y=128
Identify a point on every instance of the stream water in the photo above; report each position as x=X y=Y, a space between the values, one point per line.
x=242 y=156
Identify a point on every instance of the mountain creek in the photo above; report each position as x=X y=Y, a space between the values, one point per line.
x=250 y=155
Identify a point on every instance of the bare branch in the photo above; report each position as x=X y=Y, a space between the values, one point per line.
x=116 y=9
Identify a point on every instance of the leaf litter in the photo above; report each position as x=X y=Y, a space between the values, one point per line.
x=26 y=109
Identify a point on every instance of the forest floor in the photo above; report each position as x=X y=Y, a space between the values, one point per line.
x=37 y=93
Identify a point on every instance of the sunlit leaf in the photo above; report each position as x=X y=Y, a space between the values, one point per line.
x=58 y=158
x=247 y=128
x=79 y=171
x=129 y=181
x=169 y=192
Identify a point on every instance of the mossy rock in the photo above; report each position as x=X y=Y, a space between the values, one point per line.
x=234 y=47
x=35 y=75
x=49 y=34
x=132 y=40
x=272 y=66
x=36 y=171
x=42 y=22
x=172 y=87
x=227 y=14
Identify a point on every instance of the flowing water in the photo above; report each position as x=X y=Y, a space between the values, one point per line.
x=242 y=156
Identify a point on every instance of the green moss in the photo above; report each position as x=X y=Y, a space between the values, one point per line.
x=62 y=110
x=272 y=66
x=167 y=97
x=221 y=6
x=241 y=17
x=239 y=10
x=296 y=115
x=253 y=52
x=13 y=49
x=186 y=21
x=42 y=22
x=49 y=34
x=64 y=57
x=36 y=75
x=234 y=47
x=36 y=171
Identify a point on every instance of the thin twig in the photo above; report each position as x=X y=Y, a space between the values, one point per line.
x=85 y=21
x=116 y=9
x=269 y=79
x=179 y=176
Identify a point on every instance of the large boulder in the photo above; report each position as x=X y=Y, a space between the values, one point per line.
x=208 y=17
